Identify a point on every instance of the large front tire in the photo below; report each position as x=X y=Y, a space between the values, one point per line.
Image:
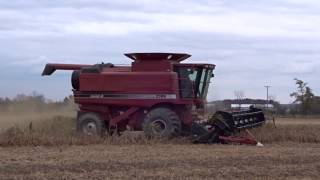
x=162 y=122
x=91 y=124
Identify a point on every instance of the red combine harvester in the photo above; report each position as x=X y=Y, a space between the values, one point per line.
x=157 y=94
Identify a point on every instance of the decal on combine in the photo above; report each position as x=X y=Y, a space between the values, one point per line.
x=128 y=96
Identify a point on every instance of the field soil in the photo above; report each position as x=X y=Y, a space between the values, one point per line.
x=162 y=161
x=47 y=148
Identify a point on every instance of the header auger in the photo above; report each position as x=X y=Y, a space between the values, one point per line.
x=157 y=94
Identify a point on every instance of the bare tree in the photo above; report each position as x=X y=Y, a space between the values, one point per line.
x=272 y=97
x=303 y=96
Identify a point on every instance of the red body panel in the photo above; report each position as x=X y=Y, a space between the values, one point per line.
x=133 y=82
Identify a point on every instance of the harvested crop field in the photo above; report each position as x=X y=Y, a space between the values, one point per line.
x=50 y=149
x=162 y=161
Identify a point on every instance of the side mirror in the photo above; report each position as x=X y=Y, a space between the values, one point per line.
x=212 y=75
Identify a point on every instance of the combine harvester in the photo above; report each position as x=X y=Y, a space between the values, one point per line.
x=157 y=94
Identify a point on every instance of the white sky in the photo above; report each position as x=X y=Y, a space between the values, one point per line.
x=253 y=43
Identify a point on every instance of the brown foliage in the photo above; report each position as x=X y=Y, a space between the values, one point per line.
x=60 y=130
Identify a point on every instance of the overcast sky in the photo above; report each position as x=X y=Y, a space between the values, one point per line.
x=252 y=42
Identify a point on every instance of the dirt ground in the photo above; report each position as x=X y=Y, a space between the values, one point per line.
x=167 y=161
x=291 y=151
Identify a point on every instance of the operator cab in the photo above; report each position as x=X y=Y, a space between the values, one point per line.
x=194 y=79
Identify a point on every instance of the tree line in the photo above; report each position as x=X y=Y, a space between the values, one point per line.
x=305 y=102
x=33 y=102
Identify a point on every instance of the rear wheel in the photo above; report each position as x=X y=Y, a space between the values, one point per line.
x=91 y=124
x=162 y=122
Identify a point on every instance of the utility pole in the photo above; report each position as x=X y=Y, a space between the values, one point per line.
x=267 y=103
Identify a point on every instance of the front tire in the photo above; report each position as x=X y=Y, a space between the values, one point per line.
x=91 y=124
x=162 y=122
